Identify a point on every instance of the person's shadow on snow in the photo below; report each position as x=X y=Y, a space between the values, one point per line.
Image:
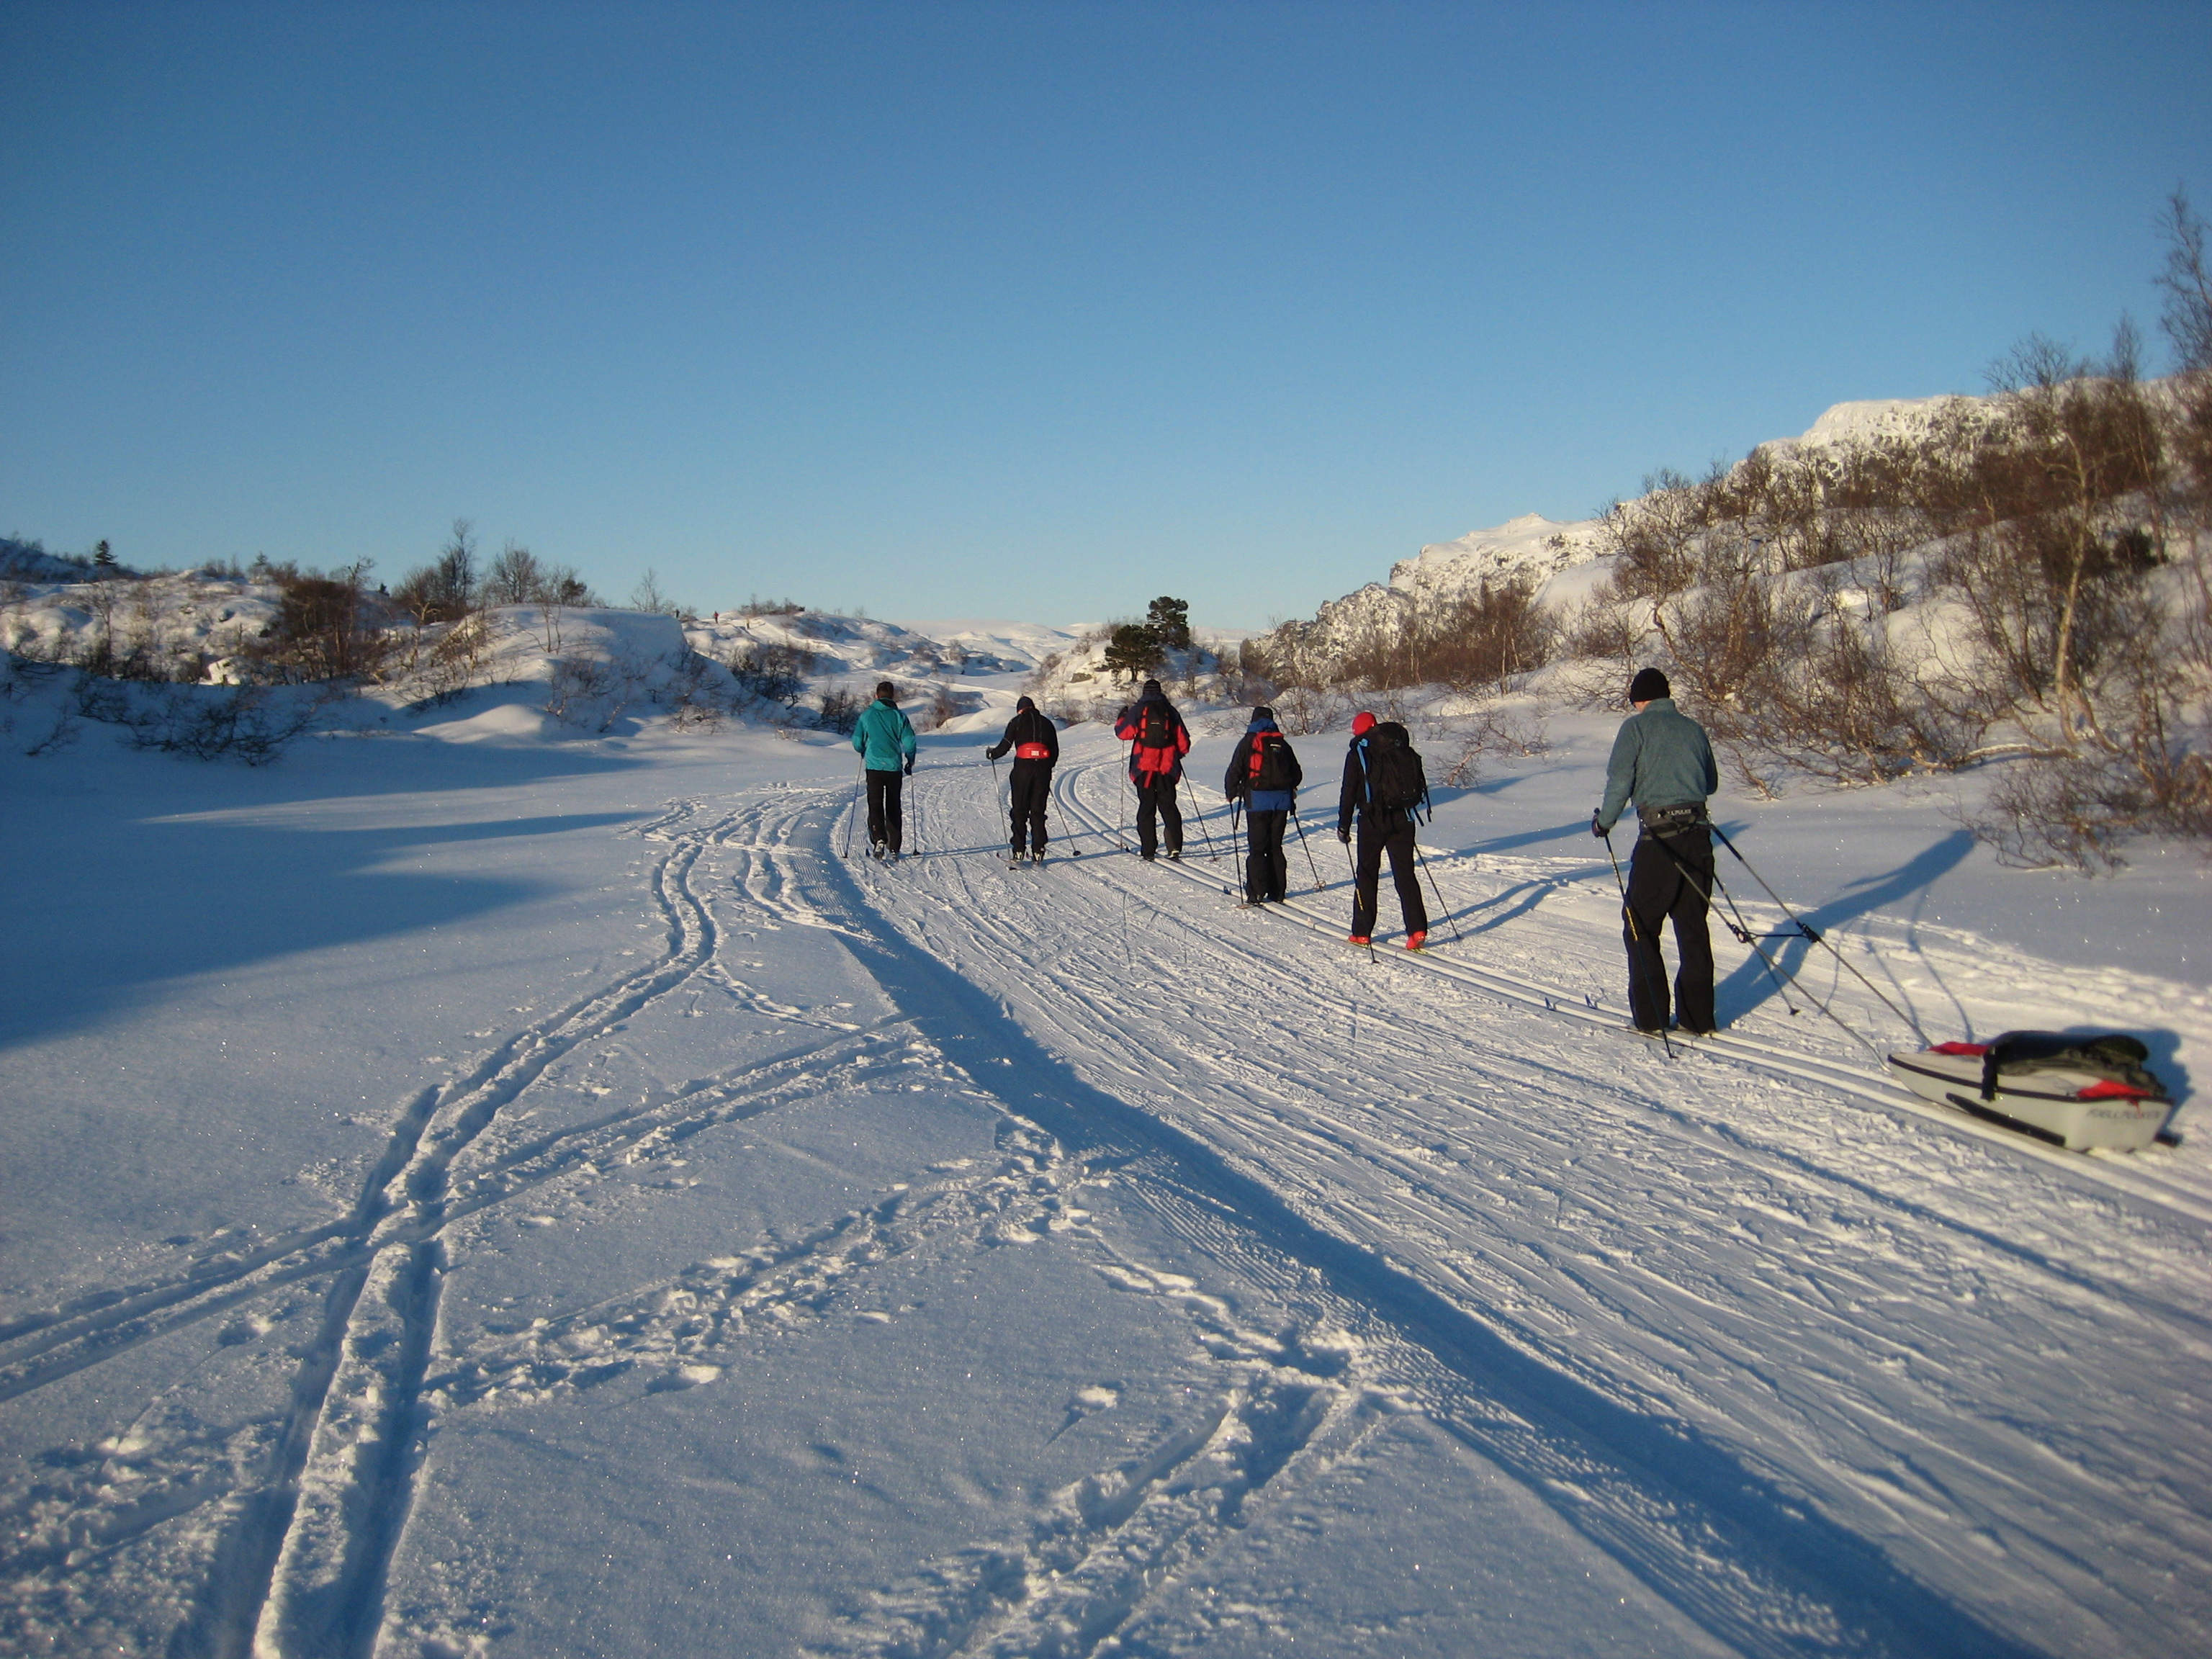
x=1750 y=985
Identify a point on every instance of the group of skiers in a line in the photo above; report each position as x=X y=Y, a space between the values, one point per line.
x=1661 y=763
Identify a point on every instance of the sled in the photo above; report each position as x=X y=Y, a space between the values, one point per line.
x=2075 y=1092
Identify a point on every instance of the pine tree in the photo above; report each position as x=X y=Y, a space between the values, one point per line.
x=1168 y=623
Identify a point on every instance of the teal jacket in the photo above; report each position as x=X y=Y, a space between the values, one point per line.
x=885 y=736
x=1662 y=758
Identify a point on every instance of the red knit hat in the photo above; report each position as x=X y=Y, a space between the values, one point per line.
x=1362 y=724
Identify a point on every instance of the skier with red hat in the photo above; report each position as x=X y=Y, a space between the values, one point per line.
x=1383 y=787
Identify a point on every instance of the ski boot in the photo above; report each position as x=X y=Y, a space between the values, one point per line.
x=1417 y=941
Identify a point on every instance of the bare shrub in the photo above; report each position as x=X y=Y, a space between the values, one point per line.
x=841 y=710
x=1303 y=710
x=775 y=673
x=1499 y=729
x=446 y=589
x=574 y=680
x=327 y=627
x=243 y=723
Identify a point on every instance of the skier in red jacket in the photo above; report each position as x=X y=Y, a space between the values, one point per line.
x=1158 y=741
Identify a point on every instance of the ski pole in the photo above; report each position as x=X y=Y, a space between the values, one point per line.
x=1199 y=812
x=1635 y=933
x=1815 y=935
x=1735 y=925
x=1004 y=797
x=917 y=817
x=1438 y=891
x=1122 y=797
x=1300 y=825
x=853 y=811
x=1354 y=870
x=1237 y=847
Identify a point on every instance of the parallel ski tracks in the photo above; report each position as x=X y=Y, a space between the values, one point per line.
x=300 y=1568
x=2142 y=1185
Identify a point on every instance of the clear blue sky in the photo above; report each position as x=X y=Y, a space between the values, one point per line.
x=1024 y=310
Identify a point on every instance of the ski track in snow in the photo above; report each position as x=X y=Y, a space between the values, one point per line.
x=1476 y=1208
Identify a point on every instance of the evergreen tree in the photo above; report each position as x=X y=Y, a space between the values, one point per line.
x=1168 y=623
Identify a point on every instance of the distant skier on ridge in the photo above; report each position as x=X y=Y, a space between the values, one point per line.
x=1035 y=742
x=885 y=738
x=1383 y=787
x=1663 y=762
x=1158 y=741
x=1265 y=774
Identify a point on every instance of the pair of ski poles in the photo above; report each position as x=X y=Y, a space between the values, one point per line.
x=1782 y=978
x=852 y=808
x=1420 y=864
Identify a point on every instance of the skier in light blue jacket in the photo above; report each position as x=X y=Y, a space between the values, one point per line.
x=884 y=738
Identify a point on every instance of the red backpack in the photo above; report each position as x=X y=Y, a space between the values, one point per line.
x=1268 y=765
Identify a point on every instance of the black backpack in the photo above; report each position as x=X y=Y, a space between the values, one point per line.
x=1395 y=779
x=1155 y=726
x=1269 y=765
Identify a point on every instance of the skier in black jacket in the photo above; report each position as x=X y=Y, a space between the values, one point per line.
x=1380 y=753
x=1035 y=742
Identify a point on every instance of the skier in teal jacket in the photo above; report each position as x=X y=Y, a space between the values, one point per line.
x=1663 y=762
x=884 y=738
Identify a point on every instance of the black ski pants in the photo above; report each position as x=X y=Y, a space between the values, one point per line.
x=1267 y=871
x=1030 y=790
x=886 y=821
x=1156 y=802
x=1670 y=876
x=1395 y=835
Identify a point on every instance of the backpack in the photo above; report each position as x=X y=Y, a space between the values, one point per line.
x=1155 y=726
x=1395 y=779
x=1268 y=767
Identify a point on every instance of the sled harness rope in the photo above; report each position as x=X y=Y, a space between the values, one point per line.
x=1782 y=977
x=1814 y=936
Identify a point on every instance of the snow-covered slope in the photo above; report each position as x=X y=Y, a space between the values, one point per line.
x=541 y=1198
x=1554 y=559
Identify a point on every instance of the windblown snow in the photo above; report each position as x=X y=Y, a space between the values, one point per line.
x=511 y=1180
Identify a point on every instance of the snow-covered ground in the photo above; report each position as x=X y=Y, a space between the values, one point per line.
x=477 y=1188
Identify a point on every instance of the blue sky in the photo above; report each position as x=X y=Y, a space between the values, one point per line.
x=1020 y=310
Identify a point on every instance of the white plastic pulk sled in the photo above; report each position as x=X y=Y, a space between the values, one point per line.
x=2075 y=1092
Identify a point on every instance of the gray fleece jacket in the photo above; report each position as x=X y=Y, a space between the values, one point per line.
x=1660 y=758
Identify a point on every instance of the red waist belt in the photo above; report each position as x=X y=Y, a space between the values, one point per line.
x=1031 y=752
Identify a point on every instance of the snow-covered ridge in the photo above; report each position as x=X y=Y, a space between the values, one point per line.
x=1554 y=557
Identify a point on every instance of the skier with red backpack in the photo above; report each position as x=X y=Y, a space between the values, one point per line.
x=1265 y=774
x=1035 y=742
x=1158 y=741
x=1385 y=787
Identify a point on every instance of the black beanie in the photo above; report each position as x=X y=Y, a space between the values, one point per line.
x=1262 y=712
x=1150 y=686
x=1021 y=703
x=886 y=692
x=1648 y=684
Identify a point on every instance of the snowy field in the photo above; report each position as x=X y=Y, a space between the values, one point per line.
x=469 y=1192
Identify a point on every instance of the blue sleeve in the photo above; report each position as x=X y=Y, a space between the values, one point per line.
x=1712 y=771
x=907 y=745
x=1620 y=773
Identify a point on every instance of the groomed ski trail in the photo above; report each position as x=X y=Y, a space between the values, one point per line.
x=1829 y=1293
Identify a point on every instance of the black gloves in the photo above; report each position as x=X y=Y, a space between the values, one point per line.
x=1596 y=828
x=909 y=768
x=1344 y=836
